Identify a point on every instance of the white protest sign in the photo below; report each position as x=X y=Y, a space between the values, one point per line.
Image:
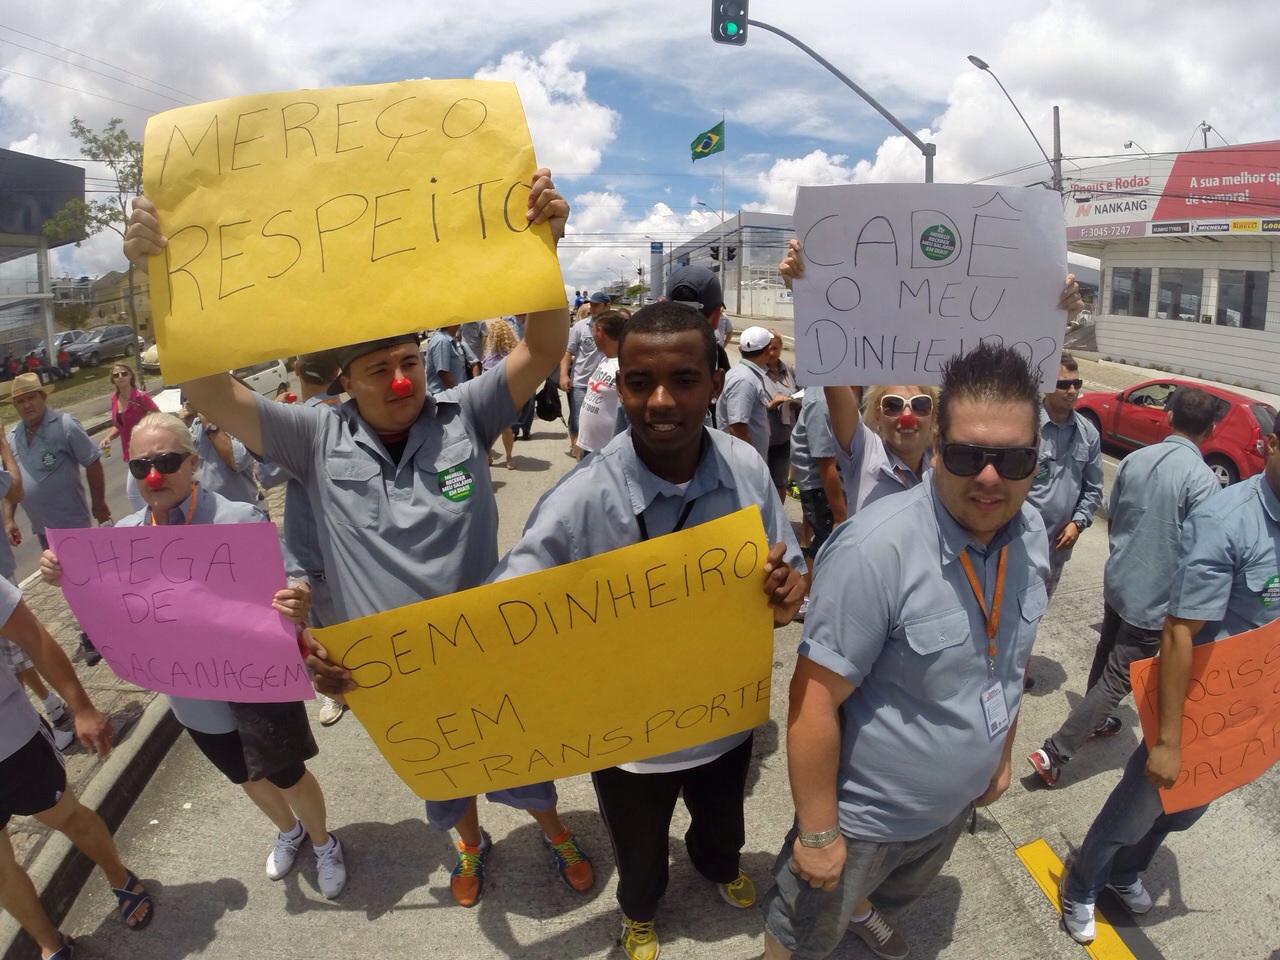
x=899 y=277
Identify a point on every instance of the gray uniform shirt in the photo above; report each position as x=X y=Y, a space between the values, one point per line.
x=18 y=718
x=594 y=509
x=1154 y=492
x=870 y=471
x=892 y=613
x=212 y=472
x=812 y=439
x=7 y=562
x=582 y=344
x=444 y=353
x=1068 y=483
x=745 y=400
x=54 y=494
x=392 y=534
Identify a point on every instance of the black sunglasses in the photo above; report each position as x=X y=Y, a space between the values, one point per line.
x=892 y=405
x=166 y=464
x=967 y=460
x=1068 y=384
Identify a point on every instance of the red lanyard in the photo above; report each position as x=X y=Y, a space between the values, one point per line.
x=191 y=508
x=992 y=618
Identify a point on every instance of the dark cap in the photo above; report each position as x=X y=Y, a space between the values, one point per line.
x=319 y=367
x=696 y=286
x=345 y=356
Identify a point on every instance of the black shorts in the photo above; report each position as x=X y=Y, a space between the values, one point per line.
x=33 y=778
x=816 y=510
x=779 y=461
x=226 y=752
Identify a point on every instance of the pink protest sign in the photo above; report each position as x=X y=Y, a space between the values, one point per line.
x=186 y=610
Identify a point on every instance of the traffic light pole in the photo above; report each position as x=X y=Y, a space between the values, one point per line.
x=929 y=150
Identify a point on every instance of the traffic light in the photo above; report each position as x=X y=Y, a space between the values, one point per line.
x=729 y=21
x=715 y=253
x=732 y=252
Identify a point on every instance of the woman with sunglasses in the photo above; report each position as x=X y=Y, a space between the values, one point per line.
x=128 y=406
x=262 y=747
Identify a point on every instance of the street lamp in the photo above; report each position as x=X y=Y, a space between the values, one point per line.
x=1056 y=163
x=1130 y=144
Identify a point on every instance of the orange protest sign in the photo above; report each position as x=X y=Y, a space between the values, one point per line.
x=1231 y=721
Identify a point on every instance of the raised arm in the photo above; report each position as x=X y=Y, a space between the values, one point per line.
x=547 y=333
x=219 y=397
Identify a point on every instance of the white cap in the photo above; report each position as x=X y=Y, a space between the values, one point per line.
x=754 y=339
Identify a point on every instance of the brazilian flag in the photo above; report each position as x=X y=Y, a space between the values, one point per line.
x=705 y=144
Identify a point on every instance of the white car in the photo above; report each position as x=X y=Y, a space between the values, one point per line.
x=265 y=377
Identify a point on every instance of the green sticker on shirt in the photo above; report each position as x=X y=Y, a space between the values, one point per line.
x=456 y=483
x=48 y=460
x=1043 y=475
x=1270 y=595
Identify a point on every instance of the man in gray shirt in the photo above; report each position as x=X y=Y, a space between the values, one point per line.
x=51 y=448
x=446 y=362
x=579 y=362
x=1154 y=492
x=743 y=408
x=399 y=486
x=926 y=604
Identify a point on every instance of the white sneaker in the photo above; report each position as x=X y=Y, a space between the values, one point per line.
x=63 y=738
x=331 y=868
x=55 y=710
x=283 y=852
x=331 y=710
x=1134 y=896
x=1078 y=919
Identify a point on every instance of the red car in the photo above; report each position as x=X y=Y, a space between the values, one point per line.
x=1136 y=418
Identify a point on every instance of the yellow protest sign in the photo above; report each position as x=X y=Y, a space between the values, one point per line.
x=667 y=644
x=312 y=219
x=1231 y=719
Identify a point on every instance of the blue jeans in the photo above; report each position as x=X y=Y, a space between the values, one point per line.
x=1125 y=835
x=576 y=396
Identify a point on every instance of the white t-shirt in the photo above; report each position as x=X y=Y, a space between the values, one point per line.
x=600 y=407
x=19 y=721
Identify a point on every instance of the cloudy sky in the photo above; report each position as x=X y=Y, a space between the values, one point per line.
x=614 y=93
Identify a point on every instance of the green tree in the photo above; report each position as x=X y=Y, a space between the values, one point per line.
x=122 y=155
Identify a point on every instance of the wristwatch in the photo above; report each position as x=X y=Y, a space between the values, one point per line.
x=819 y=839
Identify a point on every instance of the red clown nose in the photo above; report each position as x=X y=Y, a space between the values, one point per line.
x=154 y=479
x=400 y=387
x=907 y=420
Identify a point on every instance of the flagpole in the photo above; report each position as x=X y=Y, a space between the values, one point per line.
x=724 y=253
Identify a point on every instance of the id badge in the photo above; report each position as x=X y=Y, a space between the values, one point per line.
x=994 y=709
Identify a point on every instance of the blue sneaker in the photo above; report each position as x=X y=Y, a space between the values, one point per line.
x=572 y=862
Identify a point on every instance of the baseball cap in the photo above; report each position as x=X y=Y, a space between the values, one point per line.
x=318 y=367
x=601 y=297
x=754 y=339
x=697 y=287
x=25 y=383
x=345 y=356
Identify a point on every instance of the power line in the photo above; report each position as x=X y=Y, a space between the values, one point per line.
x=99 y=73
x=88 y=93
x=32 y=36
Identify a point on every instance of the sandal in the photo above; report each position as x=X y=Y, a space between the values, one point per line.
x=65 y=951
x=129 y=900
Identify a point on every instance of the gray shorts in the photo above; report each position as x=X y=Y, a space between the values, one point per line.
x=13 y=658
x=811 y=922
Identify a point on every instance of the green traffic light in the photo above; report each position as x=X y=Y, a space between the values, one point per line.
x=731 y=28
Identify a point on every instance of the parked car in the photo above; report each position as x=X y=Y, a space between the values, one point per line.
x=104 y=343
x=1137 y=417
x=62 y=339
x=265 y=377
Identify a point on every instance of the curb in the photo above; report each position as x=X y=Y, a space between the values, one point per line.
x=60 y=870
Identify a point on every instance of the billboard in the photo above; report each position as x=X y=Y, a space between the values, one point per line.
x=33 y=190
x=1223 y=190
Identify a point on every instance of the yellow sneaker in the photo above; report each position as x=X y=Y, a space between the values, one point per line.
x=638 y=940
x=741 y=893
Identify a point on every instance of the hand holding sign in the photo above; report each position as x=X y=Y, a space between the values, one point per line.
x=305 y=207
x=898 y=278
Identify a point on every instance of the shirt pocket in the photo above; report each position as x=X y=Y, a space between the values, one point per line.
x=942 y=656
x=355 y=490
x=449 y=474
x=1032 y=604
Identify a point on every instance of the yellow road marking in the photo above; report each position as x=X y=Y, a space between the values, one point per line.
x=1046 y=870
